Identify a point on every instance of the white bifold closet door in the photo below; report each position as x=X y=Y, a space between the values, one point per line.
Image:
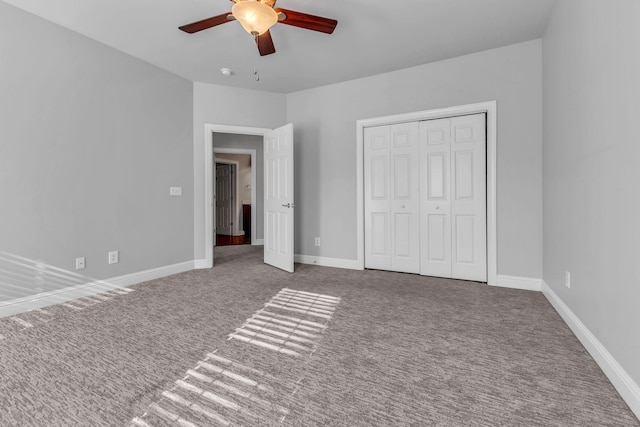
x=392 y=202
x=425 y=197
x=453 y=218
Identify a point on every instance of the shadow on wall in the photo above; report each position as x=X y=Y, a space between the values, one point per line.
x=27 y=283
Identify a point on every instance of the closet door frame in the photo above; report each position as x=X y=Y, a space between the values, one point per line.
x=490 y=108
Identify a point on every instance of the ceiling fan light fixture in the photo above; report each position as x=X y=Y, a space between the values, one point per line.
x=254 y=16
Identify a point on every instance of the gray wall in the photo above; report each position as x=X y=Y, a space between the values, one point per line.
x=249 y=142
x=222 y=105
x=591 y=173
x=90 y=141
x=324 y=122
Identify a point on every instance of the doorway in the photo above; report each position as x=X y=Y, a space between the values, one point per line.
x=205 y=242
x=234 y=210
x=490 y=109
x=245 y=193
x=276 y=167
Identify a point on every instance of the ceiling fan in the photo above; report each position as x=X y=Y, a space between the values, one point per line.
x=257 y=16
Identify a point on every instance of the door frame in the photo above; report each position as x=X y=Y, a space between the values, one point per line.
x=209 y=130
x=253 y=155
x=488 y=107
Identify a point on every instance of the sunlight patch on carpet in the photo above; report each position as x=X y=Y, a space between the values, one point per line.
x=276 y=329
x=222 y=390
x=12 y=326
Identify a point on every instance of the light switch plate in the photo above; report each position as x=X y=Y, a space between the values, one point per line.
x=80 y=263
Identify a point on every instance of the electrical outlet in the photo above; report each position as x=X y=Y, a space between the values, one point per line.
x=113 y=257
x=567 y=279
x=175 y=191
x=80 y=263
x=317 y=241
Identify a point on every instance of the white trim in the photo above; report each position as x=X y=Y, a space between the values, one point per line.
x=44 y=299
x=628 y=389
x=209 y=130
x=258 y=242
x=515 y=282
x=491 y=109
x=202 y=263
x=254 y=206
x=351 y=264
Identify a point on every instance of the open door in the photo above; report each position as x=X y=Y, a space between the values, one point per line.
x=278 y=198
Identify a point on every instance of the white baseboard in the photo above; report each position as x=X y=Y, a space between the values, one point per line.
x=515 y=282
x=201 y=263
x=154 y=273
x=350 y=264
x=44 y=299
x=258 y=242
x=628 y=389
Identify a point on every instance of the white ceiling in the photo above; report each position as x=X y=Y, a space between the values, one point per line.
x=372 y=36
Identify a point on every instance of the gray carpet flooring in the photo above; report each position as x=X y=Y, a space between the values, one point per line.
x=247 y=344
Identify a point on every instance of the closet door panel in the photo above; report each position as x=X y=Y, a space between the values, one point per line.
x=438 y=230
x=405 y=200
x=469 y=205
x=435 y=203
x=377 y=170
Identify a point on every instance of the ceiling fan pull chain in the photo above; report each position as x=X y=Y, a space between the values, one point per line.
x=255 y=68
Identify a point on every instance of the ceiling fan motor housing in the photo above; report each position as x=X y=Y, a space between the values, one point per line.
x=255 y=16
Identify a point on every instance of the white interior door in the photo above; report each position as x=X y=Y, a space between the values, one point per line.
x=392 y=204
x=435 y=215
x=377 y=185
x=469 y=198
x=278 y=198
x=453 y=196
x=224 y=199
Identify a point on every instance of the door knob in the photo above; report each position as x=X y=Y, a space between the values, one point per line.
x=288 y=205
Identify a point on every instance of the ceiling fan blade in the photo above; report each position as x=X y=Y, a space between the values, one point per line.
x=310 y=22
x=265 y=44
x=205 y=23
